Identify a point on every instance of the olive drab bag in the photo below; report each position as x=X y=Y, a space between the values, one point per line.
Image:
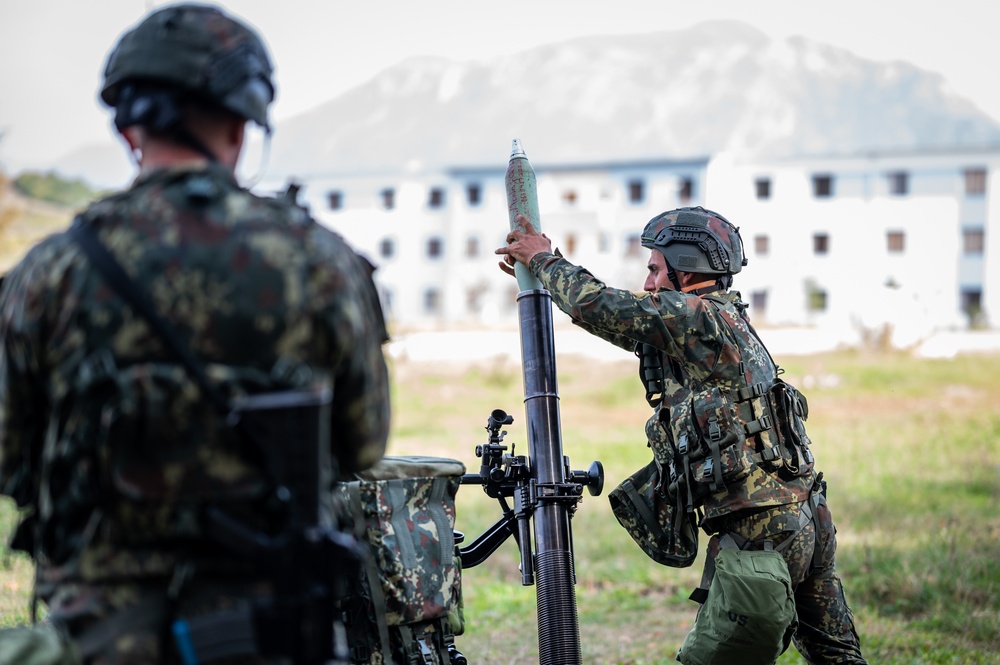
x=657 y=523
x=407 y=607
x=749 y=613
x=40 y=644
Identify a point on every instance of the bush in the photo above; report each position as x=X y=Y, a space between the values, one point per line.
x=52 y=188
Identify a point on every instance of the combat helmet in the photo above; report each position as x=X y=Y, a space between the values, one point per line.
x=696 y=240
x=187 y=51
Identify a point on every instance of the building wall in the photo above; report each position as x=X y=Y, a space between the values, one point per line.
x=894 y=230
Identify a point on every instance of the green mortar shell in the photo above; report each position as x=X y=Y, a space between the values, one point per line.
x=522 y=198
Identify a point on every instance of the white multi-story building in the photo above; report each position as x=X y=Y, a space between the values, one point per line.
x=879 y=243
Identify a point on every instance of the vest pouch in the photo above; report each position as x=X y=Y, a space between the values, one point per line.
x=165 y=453
x=792 y=410
x=291 y=431
x=749 y=614
x=410 y=596
x=657 y=523
x=722 y=439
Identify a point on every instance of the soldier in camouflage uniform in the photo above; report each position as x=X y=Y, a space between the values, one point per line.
x=709 y=377
x=106 y=441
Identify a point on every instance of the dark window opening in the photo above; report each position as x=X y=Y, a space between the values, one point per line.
x=435 y=248
x=761 y=245
x=636 y=191
x=686 y=190
x=336 y=200
x=432 y=301
x=899 y=183
x=633 y=245
x=570 y=243
x=973 y=241
x=822 y=186
x=388 y=199
x=972 y=306
x=436 y=198
x=473 y=193
x=895 y=242
x=821 y=243
x=816 y=299
x=975 y=182
x=763 y=187
x=387 y=248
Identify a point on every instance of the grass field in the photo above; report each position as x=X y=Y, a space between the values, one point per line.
x=911 y=450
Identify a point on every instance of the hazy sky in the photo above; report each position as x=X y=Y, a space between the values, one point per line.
x=52 y=51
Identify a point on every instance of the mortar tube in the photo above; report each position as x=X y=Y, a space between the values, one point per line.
x=558 y=624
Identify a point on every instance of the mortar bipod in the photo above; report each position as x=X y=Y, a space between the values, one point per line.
x=504 y=476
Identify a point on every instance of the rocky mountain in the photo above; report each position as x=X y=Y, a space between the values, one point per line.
x=720 y=85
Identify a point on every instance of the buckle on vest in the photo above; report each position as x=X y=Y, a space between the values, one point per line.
x=758 y=426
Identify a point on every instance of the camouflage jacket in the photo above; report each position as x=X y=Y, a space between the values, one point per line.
x=709 y=353
x=251 y=285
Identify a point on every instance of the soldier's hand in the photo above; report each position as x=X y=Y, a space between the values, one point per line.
x=522 y=246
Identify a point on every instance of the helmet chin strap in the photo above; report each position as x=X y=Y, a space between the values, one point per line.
x=672 y=276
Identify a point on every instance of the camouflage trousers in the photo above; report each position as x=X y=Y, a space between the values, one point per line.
x=825 y=632
x=128 y=624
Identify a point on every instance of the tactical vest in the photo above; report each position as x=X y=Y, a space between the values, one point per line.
x=717 y=436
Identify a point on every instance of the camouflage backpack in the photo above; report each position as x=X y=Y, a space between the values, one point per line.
x=407 y=606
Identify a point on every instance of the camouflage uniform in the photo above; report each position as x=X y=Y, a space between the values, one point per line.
x=261 y=294
x=707 y=344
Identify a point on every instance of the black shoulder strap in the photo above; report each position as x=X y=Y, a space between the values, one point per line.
x=116 y=277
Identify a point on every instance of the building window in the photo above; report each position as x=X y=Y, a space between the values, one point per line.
x=973 y=241
x=686 y=190
x=474 y=299
x=758 y=301
x=472 y=247
x=822 y=186
x=895 y=242
x=435 y=248
x=763 y=187
x=821 y=243
x=975 y=182
x=474 y=193
x=336 y=200
x=816 y=298
x=603 y=244
x=387 y=248
x=636 y=191
x=436 y=198
x=899 y=183
x=569 y=197
x=633 y=245
x=570 y=243
x=432 y=301
x=761 y=245
x=388 y=198
x=972 y=305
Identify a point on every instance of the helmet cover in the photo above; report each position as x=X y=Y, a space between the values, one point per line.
x=696 y=240
x=196 y=50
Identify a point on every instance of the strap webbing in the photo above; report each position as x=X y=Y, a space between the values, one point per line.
x=374 y=581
